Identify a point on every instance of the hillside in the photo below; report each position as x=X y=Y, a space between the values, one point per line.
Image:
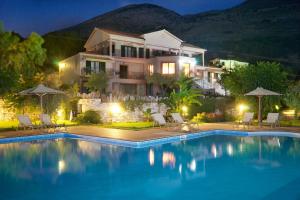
x=254 y=30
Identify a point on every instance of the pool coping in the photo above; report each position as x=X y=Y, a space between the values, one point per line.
x=147 y=143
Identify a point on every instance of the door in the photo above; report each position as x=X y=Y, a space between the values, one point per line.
x=123 y=71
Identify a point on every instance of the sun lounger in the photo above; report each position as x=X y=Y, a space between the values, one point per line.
x=47 y=122
x=25 y=122
x=187 y=126
x=273 y=119
x=247 y=119
x=159 y=119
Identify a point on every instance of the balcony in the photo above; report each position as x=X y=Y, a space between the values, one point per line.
x=131 y=75
x=117 y=75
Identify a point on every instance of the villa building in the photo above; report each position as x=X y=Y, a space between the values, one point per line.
x=129 y=58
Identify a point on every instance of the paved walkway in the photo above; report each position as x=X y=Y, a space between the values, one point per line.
x=142 y=135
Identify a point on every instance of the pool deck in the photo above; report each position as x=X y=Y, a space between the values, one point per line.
x=144 y=135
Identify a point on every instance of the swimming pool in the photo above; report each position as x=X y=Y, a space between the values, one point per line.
x=212 y=167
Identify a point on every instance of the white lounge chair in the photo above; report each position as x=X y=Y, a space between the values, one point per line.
x=46 y=122
x=159 y=119
x=25 y=122
x=187 y=126
x=273 y=119
x=247 y=119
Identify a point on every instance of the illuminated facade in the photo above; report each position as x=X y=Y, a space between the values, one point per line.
x=128 y=58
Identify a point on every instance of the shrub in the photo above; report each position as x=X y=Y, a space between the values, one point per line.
x=208 y=117
x=90 y=117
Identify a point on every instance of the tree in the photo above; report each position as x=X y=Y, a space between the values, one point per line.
x=186 y=95
x=20 y=61
x=292 y=98
x=268 y=75
x=164 y=82
x=97 y=82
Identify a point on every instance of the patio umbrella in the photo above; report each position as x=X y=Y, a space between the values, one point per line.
x=260 y=92
x=40 y=91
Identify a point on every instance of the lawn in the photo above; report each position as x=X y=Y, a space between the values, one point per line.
x=129 y=125
x=13 y=125
x=290 y=123
x=8 y=125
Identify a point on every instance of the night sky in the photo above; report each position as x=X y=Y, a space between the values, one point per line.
x=42 y=16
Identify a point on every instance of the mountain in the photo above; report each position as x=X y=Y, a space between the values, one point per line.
x=254 y=30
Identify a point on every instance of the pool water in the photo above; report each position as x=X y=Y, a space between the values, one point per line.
x=214 y=167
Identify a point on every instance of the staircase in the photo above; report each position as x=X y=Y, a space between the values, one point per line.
x=214 y=86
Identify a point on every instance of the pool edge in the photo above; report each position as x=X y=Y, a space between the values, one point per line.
x=147 y=143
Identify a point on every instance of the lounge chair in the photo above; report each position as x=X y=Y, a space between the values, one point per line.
x=273 y=119
x=25 y=122
x=247 y=119
x=46 y=122
x=159 y=119
x=176 y=118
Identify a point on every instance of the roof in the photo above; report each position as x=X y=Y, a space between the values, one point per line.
x=165 y=31
x=109 y=31
x=191 y=45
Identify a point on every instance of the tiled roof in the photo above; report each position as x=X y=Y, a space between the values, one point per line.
x=122 y=33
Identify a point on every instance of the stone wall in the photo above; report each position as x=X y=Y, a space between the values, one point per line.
x=104 y=109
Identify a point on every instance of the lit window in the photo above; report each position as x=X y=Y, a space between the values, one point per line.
x=186 y=69
x=168 y=68
x=150 y=69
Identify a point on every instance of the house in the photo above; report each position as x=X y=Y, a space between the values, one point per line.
x=128 y=58
x=227 y=64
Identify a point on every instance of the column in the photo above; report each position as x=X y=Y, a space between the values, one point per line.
x=110 y=48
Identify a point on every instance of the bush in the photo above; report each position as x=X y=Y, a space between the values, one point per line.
x=90 y=117
x=208 y=117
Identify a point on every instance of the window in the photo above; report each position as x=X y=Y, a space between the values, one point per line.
x=168 y=68
x=113 y=49
x=150 y=69
x=127 y=51
x=94 y=67
x=147 y=53
x=141 y=52
x=186 y=69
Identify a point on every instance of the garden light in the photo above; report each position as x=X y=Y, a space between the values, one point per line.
x=61 y=65
x=242 y=108
x=60 y=114
x=115 y=108
x=276 y=107
x=184 y=109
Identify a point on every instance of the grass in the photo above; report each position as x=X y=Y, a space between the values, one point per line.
x=8 y=125
x=290 y=123
x=129 y=125
x=13 y=125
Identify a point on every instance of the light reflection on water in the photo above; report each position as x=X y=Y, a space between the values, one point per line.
x=200 y=167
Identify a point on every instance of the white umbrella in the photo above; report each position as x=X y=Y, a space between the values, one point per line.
x=260 y=92
x=40 y=91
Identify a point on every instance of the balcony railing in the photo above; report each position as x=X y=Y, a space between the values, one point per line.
x=131 y=75
x=115 y=74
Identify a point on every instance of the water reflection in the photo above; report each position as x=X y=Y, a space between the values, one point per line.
x=58 y=157
x=151 y=157
x=168 y=159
